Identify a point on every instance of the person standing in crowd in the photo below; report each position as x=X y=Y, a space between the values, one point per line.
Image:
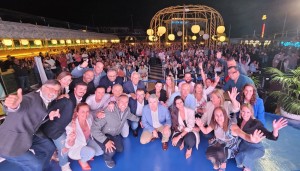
x=27 y=113
x=183 y=122
x=155 y=118
x=79 y=142
x=106 y=131
x=21 y=74
x=249 y=152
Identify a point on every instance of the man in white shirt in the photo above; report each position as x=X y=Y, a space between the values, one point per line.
x=136 y=106
x=98 y=101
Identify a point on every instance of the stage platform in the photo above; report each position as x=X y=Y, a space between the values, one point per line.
x=281 y=155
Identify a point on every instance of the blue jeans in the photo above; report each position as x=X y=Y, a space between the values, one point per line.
x=43 y=149
x=60 y=144
x=90 y=150
x=248 y=154
x=27 y=162
x=133 y=125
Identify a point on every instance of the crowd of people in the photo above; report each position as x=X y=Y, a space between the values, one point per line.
x=95 y=98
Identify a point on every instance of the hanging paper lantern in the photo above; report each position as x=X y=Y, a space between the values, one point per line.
x=161 y=30
x=195 y=29
x=171 y=37
x=205 y=36
x=150 y=32
x=179 y=33
x=201 y=32
x=220 y=29
x=194 y=37
x=159 y=34
x=222 y=38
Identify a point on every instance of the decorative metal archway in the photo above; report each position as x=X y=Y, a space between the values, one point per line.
x=182 y=18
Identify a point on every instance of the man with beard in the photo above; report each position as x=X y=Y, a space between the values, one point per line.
x=87 y=78
x=78 y=93
x=189 y=80
x=25 y=114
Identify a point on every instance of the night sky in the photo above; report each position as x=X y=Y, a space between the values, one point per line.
x=244 y=16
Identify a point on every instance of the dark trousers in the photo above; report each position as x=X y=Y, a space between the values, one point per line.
x=189 y=140
x=43 y=149
x=118 y=141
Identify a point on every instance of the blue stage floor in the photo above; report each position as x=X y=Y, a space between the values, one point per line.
x=281 y=155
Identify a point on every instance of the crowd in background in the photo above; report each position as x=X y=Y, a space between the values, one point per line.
x=94 y=97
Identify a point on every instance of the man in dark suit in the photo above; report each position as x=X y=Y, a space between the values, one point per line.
x=109 y=80
x=136 y=107
x=132 y=85
x=78 y=93
x=25 y=114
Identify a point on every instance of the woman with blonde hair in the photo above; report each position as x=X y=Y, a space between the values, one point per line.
x=249 y=152
x=217 y=100
x=227 y=134
x=79 y=143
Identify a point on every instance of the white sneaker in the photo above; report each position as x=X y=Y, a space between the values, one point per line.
x=66 y=167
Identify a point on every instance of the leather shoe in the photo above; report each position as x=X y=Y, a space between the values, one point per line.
x=165 y=146
x=135 y=133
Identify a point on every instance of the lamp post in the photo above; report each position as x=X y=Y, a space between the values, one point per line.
x=264 y=17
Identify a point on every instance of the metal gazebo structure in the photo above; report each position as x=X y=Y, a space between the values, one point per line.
x=187 y=20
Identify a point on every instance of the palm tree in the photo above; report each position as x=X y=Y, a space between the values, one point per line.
x=289 y=96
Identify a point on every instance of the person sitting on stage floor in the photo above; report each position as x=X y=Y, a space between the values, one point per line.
x=155 y=118
x=183 y=122
x=249 y=153
x=227 y=133
x=79 y=143
x=107 y=131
